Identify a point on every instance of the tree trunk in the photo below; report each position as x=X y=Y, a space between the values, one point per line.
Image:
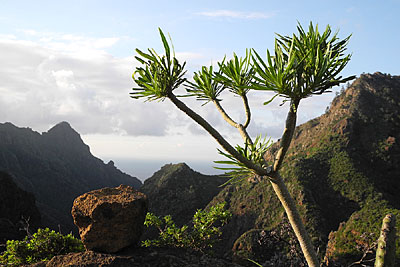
x=295 y=220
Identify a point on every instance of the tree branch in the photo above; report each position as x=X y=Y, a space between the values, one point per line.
x=242 y=129
x=217 y=136
x=287 y=134
x=224 y=114
x=247 y=110
x=246 y=137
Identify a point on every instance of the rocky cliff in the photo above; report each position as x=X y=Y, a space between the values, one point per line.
x=56 y=166
x=342 y=169
x=18 y=212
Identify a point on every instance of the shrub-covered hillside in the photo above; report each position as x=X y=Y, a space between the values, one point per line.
x=343 y=170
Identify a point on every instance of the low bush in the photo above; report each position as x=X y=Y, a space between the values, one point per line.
x=205 y=231
x=41 y=246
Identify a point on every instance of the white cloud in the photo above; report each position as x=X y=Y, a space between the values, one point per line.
x=73 y=78
x=64 y=78
x=71 y=44
x=188 y=56
x=236 y=14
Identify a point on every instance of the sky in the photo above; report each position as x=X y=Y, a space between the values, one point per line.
x=73 y=61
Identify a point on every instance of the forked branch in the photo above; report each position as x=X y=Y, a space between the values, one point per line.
x=217 y=136
x=241 y=128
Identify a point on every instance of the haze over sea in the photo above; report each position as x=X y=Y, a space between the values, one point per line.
x=144 y=169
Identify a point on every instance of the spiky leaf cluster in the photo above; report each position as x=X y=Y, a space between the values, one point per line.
x=236 y=74
x=159 y=75
x=205 y=87
x=253 y=152
x=303 y=65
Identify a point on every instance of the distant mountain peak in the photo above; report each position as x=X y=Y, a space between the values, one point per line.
x=64 y=124
x=56 y=166
x=178 y=190
x=63 y=135
x=177 y=166
x=62 y=127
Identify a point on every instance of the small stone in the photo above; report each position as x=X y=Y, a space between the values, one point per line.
x=110 y=219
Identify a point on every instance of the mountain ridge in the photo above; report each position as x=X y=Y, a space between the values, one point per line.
x=56 y=166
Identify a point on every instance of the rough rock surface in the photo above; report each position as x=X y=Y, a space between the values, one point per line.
x=110 y=219
x=16 y=205
x=143 y=257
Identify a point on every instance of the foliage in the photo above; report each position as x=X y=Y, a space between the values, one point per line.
x=201 y=236
x=349 y=240
x=204 y=86
x=236 y=74
x=160 y=75
x=41 y=246
x=303 y=65
x=253 y=152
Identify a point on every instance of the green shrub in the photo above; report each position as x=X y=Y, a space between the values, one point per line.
x=41 y=246
x=201 y=236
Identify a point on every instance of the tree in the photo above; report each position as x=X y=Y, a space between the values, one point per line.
x=301 y=66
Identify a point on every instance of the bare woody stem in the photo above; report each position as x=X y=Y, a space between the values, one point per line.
x=295 y=220
x=247 y=110
x=287 y=134
x=224 y=114
x=283 y=193
x=246 y=137
x=217 y=136
x=240 y=127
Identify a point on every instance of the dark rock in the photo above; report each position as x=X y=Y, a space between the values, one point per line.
x=56 y=166
x=110 y=219
x=17 y=210
x=141 y=257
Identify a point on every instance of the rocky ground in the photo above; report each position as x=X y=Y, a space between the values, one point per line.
x=143 y=257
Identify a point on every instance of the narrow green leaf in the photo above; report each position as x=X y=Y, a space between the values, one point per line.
x=165 y=43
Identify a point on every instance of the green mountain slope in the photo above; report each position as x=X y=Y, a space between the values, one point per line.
x=179 y=191
x=342 y=169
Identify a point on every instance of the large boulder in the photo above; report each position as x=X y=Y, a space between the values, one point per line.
x=110 y=219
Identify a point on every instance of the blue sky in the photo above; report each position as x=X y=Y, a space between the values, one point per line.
x=73 y=60
x=214 y=27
